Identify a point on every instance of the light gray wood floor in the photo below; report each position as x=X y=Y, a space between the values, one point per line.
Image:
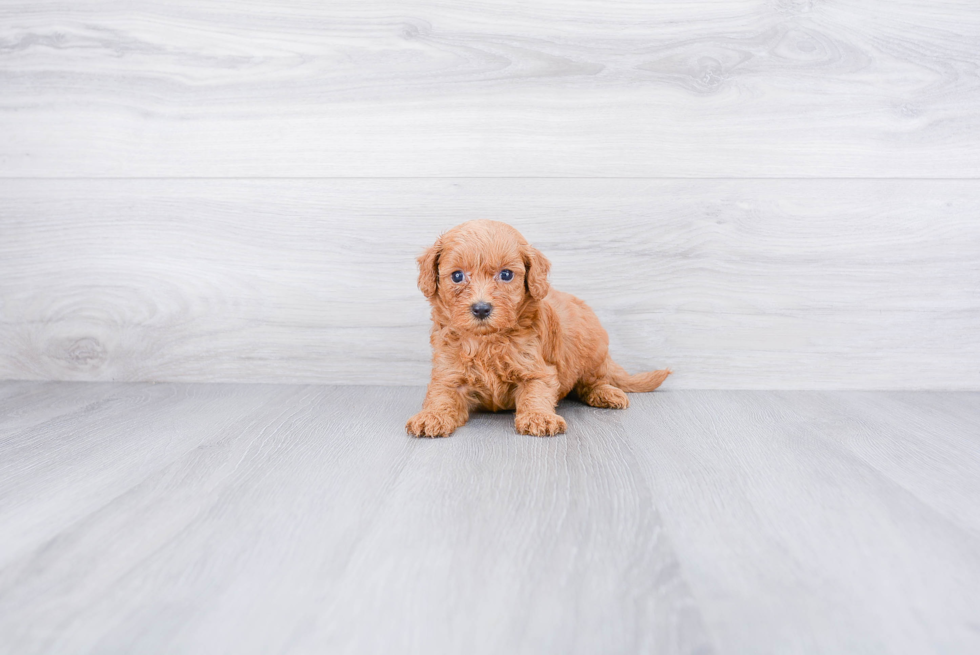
x=214 y=518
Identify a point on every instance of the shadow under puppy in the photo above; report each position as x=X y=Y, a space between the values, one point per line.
x=502 y=338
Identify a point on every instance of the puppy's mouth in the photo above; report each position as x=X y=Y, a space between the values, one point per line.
x=477 y=326
x=484 y=327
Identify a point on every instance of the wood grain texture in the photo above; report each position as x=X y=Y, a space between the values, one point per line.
x=796 y=514
x=760 y=88
x=802 y=519
x=295 y=519
x=734 y=284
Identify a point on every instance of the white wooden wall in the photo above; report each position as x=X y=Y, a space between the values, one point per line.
x=780 y=194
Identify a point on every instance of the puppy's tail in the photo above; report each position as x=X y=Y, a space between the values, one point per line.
x=640 y=382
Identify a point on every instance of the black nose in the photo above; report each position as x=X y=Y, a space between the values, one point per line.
x=481 y=309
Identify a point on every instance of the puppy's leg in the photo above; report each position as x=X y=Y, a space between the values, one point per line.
x=602 y=394
x=442 y=411
x=598 y=389
x=536 y=400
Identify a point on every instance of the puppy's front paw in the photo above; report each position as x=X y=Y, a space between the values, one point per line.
x=430 y=424
x=539 y=424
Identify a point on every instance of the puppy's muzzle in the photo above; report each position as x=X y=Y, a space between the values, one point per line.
x=481 y=310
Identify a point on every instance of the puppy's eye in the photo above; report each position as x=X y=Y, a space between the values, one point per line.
x=457 y=276
x=506 y=275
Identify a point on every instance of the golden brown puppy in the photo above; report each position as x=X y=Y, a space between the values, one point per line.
x=503 y=339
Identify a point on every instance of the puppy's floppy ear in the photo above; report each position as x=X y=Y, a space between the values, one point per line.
x=536 y=268
x=429 y=269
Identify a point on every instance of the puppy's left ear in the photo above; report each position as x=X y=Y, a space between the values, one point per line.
x=429 y=269
x=536 y=268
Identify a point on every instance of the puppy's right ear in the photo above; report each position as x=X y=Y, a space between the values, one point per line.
x=429 y=269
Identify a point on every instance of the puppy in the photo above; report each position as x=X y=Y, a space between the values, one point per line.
x=502 y=338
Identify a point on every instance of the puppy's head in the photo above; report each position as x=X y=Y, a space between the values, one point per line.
x=480 y=276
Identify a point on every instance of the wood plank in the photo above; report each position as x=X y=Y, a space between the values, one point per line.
x=309 y=522
x=70 y=465
x=555 y=543
x=24 y=404
x=592 y=88
x=796 y=535
x=923 y=442
x=738 y=284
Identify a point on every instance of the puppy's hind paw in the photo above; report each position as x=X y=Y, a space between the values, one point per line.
x=430 y=424
x=540 y=424
x=606 y=396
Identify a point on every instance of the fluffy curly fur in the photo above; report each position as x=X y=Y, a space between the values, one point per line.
x=536 y=345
